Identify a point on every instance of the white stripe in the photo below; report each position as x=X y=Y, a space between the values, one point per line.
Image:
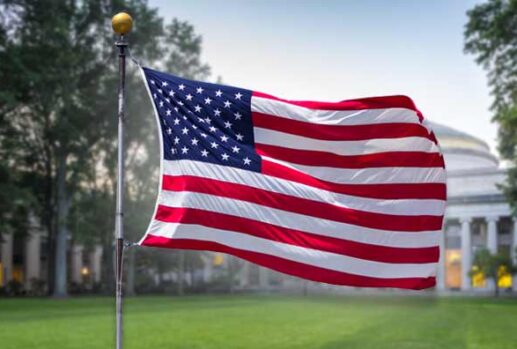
x=373 y=175
x=317 y=258
x=370 y=146
x=333 y=117
x=297 y=221
x=409 y=207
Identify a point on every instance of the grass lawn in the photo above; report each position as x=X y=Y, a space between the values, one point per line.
x=262 y=322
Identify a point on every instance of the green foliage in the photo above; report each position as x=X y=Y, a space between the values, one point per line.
x=58 y=102
x=491 y=36
x=490 y=265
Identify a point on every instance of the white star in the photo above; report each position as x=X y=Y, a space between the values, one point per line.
x=176 y=109
x=180 y=102
x=168 y=100
x=155 y=95
x=194 y=141
x=184 y=117
x=173 y=150
x=160 y=90
x=189 y=97
x=184 y=150
x=225 y=156
x=235 y=149
x=238 y=116
x=208 y=120
x=152 y=82
x=184 y=131
x=227 y=124
x=169 y=130
x=204 y=153
x=247 y=161
x=194 y=127
x=164 y=83
x=208 y=100
x=161 y=104
x=227 y=104
x=238 y=96
x=203 y=135
x=168 y=112
x=224 y=138
x=201 y=120
x=176 y=121
x=218 y=93
x=212 y=129
x=197 y=108
x=181 y=87
x=171 y=93
x=239 y=137
x=217 y=112
x=214 y=145
x=176 y=140
x=199 y=90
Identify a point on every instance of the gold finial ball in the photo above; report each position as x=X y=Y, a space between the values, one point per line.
x=122 y=23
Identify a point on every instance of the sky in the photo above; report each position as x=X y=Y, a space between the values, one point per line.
x=335 y=50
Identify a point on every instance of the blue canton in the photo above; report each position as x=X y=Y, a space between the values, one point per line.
x=204 y=122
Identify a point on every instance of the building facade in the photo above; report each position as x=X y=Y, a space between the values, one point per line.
x=24 y=261
x=477 y=214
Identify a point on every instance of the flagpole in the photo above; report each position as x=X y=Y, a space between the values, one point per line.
x=122 y=24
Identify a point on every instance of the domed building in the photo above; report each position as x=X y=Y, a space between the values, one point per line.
x=477 y=214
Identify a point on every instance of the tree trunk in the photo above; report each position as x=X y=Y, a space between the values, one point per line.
x=107 y=272
x=48 y=219
x=130 y=286
x=60 y=276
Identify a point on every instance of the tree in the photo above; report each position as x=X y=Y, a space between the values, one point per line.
x=491 y=266
x=58 y=62
x=491 y=36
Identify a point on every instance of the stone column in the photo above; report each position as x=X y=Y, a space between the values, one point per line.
x=32 y=258
x=440 y=273
x=77 y=263
x=96 y=261
x=491 y=242
x=466 y=251
x=263 y=278
x=514 y=253
x=244 y=278
x=7 y=258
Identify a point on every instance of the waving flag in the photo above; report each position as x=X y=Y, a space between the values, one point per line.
x=348 y=193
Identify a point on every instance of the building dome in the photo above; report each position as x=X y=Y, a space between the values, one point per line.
x=461 y=150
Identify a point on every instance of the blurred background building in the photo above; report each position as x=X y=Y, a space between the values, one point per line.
x=477 y=217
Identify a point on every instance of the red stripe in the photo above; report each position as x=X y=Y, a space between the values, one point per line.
x=340 y=132
x=321 y=158
x=302 y=206
x=353 y=104
x=286 y=266
x=378 y=191
x=295 y=237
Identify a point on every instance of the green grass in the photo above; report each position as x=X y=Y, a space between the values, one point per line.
x=324 y=322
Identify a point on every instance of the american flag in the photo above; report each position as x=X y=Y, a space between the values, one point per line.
x=348 y=193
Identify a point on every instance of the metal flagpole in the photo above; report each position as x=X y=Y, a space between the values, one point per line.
x=122 y=24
